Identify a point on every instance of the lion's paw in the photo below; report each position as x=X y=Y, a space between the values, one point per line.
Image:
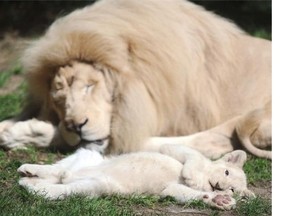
x=5 y=124
x=41 y=187
x=29 y=182
x=27 y=170
x=220 y=201
x=9 y=141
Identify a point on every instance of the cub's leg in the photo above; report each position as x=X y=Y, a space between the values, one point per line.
x=255 y=131
x=80 y=159
x=53 y=190
x=49 y=173
x=22 y=133
x=73 y=184
x=183 y=194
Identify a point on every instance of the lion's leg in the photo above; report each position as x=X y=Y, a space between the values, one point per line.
x=212 y=143
x=22 y=133
x=56 y=191
x=181 y=153
x=183 y=194
x=252 y=129
x=255 y=131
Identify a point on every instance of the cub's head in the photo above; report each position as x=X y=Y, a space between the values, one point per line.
x=225 y=174
x=81 y=95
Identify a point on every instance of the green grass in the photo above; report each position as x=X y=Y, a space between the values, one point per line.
x=5 y=75
x=255 y=207
x=262 y=34
x=11 y=104
x=258 y=170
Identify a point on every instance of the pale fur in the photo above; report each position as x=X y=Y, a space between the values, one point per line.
x=255 y=131
x=185 y=174
x=171 y=69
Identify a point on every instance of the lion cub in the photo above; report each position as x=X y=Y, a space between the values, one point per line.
x=176 y=171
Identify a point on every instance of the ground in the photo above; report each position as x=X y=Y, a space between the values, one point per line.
x=16 y=201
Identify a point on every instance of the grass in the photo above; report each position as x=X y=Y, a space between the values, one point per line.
x=258 y=170
x=14 y=200
x=262 y=34
x=255 y=207
x=5 y=75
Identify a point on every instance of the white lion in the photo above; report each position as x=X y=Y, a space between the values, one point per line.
x=185 y=174
x=131 y=75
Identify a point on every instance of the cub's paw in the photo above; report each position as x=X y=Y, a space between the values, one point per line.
x=220 y=201
x=29 y=183
x=28 y=170
x=42 y=188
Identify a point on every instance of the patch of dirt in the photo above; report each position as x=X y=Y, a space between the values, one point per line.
x=171 y=210
x=11 y=47
x=262 y=189
x=12 y=84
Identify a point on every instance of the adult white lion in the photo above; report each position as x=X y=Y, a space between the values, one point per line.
x=119 y=73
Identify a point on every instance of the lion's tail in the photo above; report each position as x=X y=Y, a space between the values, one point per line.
x=249 y=126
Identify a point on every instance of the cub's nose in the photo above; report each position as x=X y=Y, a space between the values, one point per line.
x=74 y=126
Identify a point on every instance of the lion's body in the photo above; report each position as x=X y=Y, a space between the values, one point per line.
x=186 y=175
x=176 y=69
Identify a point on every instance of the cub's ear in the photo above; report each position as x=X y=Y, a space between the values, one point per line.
x=237 y=157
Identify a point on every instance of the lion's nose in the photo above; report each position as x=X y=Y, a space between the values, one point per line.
x=74 y=126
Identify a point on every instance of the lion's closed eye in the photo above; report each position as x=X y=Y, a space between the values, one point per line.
x=58 y=86
x=89 y=87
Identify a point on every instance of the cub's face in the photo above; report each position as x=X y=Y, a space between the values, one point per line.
x=80 y=96
x=225 y=174
x=226 y=177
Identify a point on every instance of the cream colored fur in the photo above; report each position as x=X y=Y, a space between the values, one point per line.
x=158 y=68
x=255 y=131
x=185 y=174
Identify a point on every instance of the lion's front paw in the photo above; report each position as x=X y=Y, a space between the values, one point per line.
x=9 y=141
x=29 y=182
x=5 y=124
x=220 y=201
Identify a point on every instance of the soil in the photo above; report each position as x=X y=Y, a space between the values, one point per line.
x=11 y=46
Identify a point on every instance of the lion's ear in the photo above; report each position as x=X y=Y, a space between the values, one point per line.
x=237 y=157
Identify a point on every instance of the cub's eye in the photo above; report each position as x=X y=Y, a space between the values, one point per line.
x=232 y=189
x=226 y=172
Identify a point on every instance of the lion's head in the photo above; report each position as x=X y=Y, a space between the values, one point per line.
x=82 y=99
x=225 y=174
